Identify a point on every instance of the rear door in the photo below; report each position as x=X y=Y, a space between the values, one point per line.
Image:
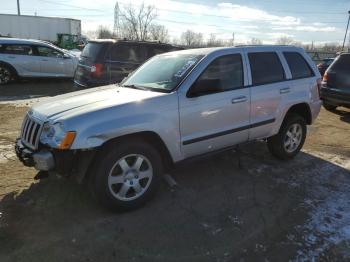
x=212 y=121
x=22 y=58
x=93 y=52
x=268 y=85
x=123 y=59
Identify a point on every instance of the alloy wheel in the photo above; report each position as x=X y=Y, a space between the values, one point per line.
x=293 y=138
x=130 y=177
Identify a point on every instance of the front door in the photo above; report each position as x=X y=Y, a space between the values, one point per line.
x=215 y=115
x=52 y=62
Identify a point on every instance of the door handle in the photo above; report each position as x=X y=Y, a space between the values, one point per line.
x=239 y=99
x=11 y=56
x=284 y=90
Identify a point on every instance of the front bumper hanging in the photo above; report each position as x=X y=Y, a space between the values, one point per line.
x=41 y=160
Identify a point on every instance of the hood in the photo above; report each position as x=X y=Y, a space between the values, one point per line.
x=93 y=99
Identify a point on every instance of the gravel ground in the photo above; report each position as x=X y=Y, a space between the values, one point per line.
x=267 y=210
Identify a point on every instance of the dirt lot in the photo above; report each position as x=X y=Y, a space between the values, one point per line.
x=267 y=210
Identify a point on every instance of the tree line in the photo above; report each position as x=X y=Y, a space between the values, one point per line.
x=138 y=23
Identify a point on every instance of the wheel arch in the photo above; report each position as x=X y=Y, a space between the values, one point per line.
x=150 y=137
x=12 y=68
x=301 y=109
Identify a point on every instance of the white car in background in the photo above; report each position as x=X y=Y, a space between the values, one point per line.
x=33 y=58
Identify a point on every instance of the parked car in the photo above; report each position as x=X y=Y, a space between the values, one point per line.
x=335 y=89
x=109 y=61
x=322 y=67
x=20 y=58
x=176 y=106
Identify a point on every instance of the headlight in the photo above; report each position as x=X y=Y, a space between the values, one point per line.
x=55 y=136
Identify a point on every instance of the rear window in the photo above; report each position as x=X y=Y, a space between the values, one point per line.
x=17 y=49
x=297 y=65
x=128 y=53
x=265 y=68
x=342 y=63
x=91 y=50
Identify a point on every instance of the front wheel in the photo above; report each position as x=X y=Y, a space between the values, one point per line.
x=126 y=175
x=290 y=139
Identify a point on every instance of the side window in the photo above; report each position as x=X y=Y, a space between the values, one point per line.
x=224 y=73
x=17 y=49
x=297 y=65
x=48 y=52
x=265 y=68
x=128 y=53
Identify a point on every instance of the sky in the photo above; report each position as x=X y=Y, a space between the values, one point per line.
x=320 y=21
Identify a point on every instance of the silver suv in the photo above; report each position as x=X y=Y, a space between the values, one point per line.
x=178 y=105
x=34 y=58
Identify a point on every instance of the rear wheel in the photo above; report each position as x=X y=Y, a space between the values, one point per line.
x=6 y=74
x=329 y=107
x=290 y=139
x=126 y=175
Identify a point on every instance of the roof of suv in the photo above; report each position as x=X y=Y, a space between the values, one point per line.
x=113 y=41
x=257 y=48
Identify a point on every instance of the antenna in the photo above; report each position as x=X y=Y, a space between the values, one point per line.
x=116 y=21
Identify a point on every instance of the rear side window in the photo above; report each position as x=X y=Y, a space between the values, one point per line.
x=128 y=53
x=342 y=63
x=265 y=68
x=17 y=49
x=297 y=65
x=226 y=70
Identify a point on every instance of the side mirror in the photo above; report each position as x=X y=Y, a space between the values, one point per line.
x=205 y=87
x=66 y=56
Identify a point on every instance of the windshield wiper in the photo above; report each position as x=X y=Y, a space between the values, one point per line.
x=136 y=87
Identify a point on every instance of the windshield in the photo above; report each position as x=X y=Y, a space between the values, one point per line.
x=163 y=72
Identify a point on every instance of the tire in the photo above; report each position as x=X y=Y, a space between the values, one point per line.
x=329 y=107
x=126 y=175
x=6 y=74
x=290 y=139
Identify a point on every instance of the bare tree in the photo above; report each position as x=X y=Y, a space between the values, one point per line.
x=213 y=41
x=192 y=39
x=159 y=33
x=284 y=40
x=136 y=22
x=255 y=41
x=103 y=32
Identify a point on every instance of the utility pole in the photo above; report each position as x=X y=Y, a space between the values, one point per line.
x=346 y=31
x=18 y=8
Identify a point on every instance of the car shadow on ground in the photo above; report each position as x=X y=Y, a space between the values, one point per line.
x=344 y=115
x=33 y=88
x=218 y=212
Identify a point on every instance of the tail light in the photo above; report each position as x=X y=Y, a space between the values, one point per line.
x=96 y=70
x=325 y=77
x=319 y=83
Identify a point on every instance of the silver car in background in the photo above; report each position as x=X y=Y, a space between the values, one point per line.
x=34 y=58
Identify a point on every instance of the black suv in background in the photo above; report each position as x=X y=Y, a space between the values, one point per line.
x=335 y=89
x=108 y=61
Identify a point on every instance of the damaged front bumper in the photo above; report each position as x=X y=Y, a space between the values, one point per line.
x=63 y=162
x=41 y=160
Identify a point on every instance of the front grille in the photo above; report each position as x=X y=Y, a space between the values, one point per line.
x=30 y=134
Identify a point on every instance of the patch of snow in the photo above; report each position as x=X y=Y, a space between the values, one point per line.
x=329 y=200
